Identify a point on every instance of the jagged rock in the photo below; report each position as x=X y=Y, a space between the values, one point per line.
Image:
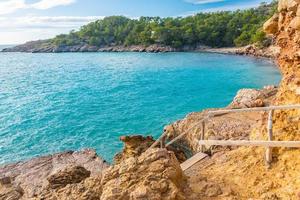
x=69 y=175
x=155 y=174
x=32 y=175
x=248 y=98
x=134 y=146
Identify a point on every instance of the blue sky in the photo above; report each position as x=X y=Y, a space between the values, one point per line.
x=23 y=20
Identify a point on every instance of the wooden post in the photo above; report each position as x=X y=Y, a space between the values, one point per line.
x=202 y=135
x=162 y=142
x=270 y=137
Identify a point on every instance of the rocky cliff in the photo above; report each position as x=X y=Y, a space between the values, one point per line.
x=241 y=173
x=285 y=28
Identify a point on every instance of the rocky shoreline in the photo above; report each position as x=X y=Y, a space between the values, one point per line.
x=84 y=175
x=45 y=47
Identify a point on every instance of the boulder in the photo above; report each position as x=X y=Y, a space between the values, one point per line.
x=134 y=146
x=247 y=98
x=155 y=175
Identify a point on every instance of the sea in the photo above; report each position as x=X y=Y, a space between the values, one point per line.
x=69 y=101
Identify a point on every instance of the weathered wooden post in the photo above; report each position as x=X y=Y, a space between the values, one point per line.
x=162 y=142
x=270 y=137
x=202 y=134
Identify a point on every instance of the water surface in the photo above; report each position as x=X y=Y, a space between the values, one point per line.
x=55 y=102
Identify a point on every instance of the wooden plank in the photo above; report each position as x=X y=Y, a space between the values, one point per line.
x=192 y=161
x=286 y=107
x=257 y=143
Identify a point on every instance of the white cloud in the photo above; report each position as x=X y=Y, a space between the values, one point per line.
x=10 y=6
x=29 y=22
x=16 y=30
x=46 y=4
x=203 y=1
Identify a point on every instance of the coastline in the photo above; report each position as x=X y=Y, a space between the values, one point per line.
x=251 y=50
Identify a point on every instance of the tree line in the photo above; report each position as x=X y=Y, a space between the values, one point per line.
x=218 y=29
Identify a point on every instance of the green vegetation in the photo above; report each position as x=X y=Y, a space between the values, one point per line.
x=219 y=29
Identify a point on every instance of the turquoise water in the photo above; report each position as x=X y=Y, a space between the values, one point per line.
x=55 y=102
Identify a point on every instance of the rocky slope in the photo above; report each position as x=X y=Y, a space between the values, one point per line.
x=241 y=173
x=137 y=173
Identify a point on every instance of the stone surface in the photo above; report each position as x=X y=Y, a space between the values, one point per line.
x=69 y=175
x=31 y=176
x=134 y=146
x=249 y=98
x=155 y=175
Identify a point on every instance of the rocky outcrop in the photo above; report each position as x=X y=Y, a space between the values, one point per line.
x=249 y=98
x=155 y=174
x=134 y=146
x=58 y=170
x=138 y=173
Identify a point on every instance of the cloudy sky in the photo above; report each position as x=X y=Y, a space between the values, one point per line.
x=24 y=20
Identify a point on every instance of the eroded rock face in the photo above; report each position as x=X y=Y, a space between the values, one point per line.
x=271 y=26
x=155 y=175
x=288 y=39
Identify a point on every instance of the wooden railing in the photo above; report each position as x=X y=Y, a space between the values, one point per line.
x=268 y=144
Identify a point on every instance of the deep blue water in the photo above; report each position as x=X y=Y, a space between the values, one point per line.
x=55 y=102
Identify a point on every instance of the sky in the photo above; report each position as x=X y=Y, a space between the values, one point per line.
x=27 y=20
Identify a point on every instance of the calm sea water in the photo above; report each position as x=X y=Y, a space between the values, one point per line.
x=55 y=102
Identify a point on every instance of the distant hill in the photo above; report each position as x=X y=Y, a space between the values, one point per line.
x=218 y=29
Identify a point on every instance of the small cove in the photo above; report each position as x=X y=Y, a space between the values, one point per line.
x=56 y=102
